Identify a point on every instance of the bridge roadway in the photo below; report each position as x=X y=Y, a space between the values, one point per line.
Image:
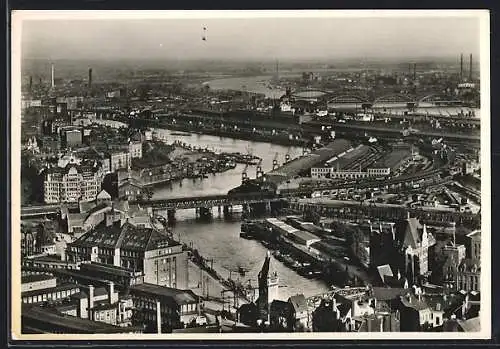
x=209 y=201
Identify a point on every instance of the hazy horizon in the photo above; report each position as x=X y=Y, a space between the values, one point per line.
x=251 y=39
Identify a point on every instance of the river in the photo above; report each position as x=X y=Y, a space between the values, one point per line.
x=219 y=239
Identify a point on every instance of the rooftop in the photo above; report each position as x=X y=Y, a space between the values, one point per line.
x=298 y=302
x=393 y=159
x=36 y=277
x=63 y=287
x=410 y=301
x=96 y=267
x=304 y=235
x=305 y=162
x=71 y=323
x=127 y=237
x=49 y=258
x=179 y=296
x=471 y=325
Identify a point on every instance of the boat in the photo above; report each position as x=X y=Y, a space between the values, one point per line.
x=245 y=235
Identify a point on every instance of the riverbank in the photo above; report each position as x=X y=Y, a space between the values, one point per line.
x=243 y=135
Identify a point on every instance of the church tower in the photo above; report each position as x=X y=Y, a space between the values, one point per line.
x=268 y=287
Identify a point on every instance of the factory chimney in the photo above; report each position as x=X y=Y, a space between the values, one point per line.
x=158 y=317
x=31 y=82
x=414 y=71
x=461 y=66
x=470 y=67
x=409 y=69
x=52 y=71
x=90 y=77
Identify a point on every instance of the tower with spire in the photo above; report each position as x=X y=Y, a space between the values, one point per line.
x=268 y=287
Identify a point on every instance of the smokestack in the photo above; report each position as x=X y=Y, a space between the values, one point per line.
x=91 y=298
x=414 y=71
x=31 y=82
x=409 y=69
x=112 y=296
x=90 y=77
x=158 y=317
x=461 y=66
x=470 y=67
x=52 y=74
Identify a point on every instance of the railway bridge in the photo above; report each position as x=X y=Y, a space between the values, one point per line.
x=356 y=210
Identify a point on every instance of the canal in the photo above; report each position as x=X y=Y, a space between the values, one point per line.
x=219 y=239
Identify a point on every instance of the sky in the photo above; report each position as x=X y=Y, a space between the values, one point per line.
x=250 y=38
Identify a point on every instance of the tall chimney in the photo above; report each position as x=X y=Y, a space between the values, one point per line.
x=414 y=71
x=90 y=77
x=91 y=299
x=31 y=82
x=52 y=79
x=470 y=67
x=158 y=317
x=461 y=66
x=112 y=295
x=409 y=69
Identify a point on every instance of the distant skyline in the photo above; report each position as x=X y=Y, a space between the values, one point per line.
x=251 y=38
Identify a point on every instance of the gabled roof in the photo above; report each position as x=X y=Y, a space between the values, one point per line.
x=412 y=234
x=267 y=269
x=280 y=306
x=103 y=195
x=470 y=325
x=344 y=308
x=127 y=237
x=383 y=271
x=298 y=302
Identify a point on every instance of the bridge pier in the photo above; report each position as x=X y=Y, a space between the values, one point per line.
x=219 y=210
x=205 y=212
x=228 y=210
x=171 y=216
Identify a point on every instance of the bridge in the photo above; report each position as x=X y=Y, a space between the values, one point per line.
x=209 y=201
x=356 y=210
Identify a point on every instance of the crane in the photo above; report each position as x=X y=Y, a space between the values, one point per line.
x=244 y=176
x=260 y=173
x=275 y=162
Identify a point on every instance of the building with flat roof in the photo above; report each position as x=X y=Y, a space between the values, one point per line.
x=177 y=307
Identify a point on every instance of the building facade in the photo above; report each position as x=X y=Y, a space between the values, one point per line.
x=119 y=160
x=71 y=184
x=159 y=257
x=268 y=288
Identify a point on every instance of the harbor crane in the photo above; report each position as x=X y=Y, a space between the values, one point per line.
x=275 y=162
